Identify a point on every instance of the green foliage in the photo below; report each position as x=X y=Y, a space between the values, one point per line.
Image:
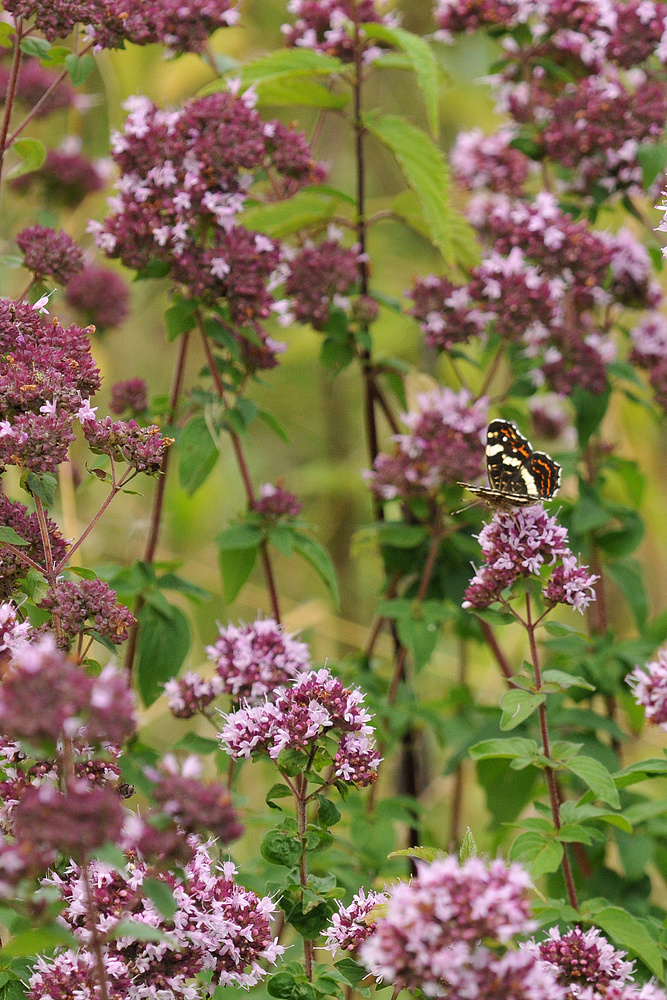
x=164 y=641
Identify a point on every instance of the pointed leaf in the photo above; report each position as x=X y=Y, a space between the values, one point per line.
x=518 y=706
x=236 y=565
x=597 y=777
x=423 y=62
x=318 y=558
x=163 y=645
x=427 y=174
x=281 y=218
x=197 y=454
x=628 y=932
x=541 y=854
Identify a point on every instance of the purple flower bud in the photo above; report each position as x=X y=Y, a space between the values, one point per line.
x=73 y=822
x=50 y=254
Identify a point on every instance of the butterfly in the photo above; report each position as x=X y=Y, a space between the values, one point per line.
x=518 y=476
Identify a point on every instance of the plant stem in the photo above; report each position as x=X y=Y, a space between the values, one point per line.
x=95 y=943
x=11 y=93
x=501 y=659
x=158 y=496
x=243 y=469
x=115 y=489
x=548 y=771
x=301 y=803
x=457 y=793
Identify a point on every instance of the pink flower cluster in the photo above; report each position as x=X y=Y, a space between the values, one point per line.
x=185 y=176
x=219 y=927
x=314 y=706
x=329 y=26
x=444 y=933
x=276 y=502
x=45 y=694
x=196 y=807
x=352 y=924
x=444 y=445
x=46 y=374
x=589 y=967
x=582 y=113
x=319 y=278
x=251 y=661
x=521 y=543
x=66 y=176
x=100 y=295
x=88 y=605
x=49 y=254
x=142 y=448
x=181 y=25
x=649 y=686
x=14 y=514
x=14 y=633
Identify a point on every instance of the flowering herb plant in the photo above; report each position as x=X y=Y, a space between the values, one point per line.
x=517 y=645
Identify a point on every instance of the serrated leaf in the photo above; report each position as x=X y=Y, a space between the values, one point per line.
x=281 y=218
x=288 y=62
x=197 y=454
x=278 y=91
x=427 y=174
x=318 y=558
x=597 y=777
x=422 y=60
x=628 y=932
x=517 y=706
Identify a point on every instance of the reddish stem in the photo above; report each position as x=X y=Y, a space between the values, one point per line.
x=11 y=93
x=245 y=474
x=548 y=771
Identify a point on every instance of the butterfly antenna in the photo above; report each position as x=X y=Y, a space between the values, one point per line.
x=461 y=510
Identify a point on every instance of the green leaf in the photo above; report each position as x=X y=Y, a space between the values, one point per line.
x=236 y=565
x=423 y=62
x=289 y=62
x=400 y=535
x=628 y=932
x=493 y=617
x=517 y=706
x=428 y=854
x=628 y=578
x=318 y=558
x=352 y=972
x=420 y=636
x=407 y=206
x=281 y=847
x=240 y=536
x=31 y=153
x=180 y=317
x=33 y=46
x=283 y=986
x=513 y=746
x=42 y=486
x=38 y=939
x=591 y=408
x=281 y=218
x=79 y=67
x=197 y=744
x=565 y=680
x=10 y=536
x=427 y=174
x=279 y=91
x=274 y=424
x=197 y=454
x=327 y=813
x=277 y=791
x=468 y=847
x=541 y=854
x=162 y=647
x=138 y=931
x=652 y=159
x=597 y=777
x=161 y=895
